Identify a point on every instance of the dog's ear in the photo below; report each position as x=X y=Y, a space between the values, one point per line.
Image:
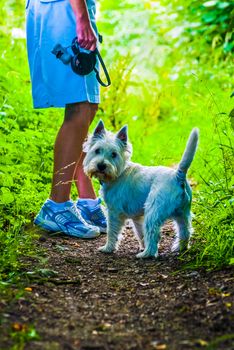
x=122 y=135
x=99 y=130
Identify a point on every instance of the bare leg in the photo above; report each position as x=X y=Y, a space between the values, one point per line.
x=83 y=182
x=68 y=148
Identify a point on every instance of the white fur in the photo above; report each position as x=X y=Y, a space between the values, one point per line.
x=147 y=195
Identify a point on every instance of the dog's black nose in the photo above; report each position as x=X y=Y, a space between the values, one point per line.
x=101 y=166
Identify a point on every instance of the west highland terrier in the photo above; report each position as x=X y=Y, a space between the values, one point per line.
x=146 y=194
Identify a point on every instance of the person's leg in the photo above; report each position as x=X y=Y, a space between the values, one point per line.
x=88 y=205
x=59 y=214
x=83 y=182
x=68 y=150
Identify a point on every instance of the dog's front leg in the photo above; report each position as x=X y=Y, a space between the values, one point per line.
x=114 y=226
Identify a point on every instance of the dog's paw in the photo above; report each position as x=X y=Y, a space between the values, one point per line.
x=106 y=249
x=141 y=246
x=146 y=254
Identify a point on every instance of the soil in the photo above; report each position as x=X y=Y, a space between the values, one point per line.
x=86 y=300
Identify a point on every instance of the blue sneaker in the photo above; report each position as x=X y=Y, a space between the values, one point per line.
x=92 y=212
x=65 y=218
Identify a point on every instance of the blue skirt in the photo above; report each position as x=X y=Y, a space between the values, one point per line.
x=54 y=84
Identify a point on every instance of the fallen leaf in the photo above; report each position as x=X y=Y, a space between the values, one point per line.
x=19 y=327
x=158 y=346
x=47 y=272
x=224 y=295
x=228 y=305
x=201 y=342
x=103 y=327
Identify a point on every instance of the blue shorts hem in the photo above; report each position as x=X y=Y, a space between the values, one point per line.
x=62 y=104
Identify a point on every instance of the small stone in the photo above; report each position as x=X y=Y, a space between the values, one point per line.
x=193 y=274
x=158 y=346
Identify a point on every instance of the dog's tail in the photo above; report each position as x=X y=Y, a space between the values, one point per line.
x=188 y=155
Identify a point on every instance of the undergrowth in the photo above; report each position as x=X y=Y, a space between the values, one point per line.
x=214 y=205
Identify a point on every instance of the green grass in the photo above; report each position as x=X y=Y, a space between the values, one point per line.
x=160 y=89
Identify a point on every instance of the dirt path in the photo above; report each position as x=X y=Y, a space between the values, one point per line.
x=103 y=302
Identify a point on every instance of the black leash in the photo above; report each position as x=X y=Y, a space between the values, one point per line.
x=104 y=70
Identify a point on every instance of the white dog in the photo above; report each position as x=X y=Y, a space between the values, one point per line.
x=147 y=195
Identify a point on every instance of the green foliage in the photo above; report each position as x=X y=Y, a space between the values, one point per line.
x=209 y=22
x=22 y=335
x=26 y=141
x=214 y=205
x=215 y=20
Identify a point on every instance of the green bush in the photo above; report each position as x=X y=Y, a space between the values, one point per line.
x=26 y=142
x=215 y=20
x=214 y=201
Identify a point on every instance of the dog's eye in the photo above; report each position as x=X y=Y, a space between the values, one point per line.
x=97 y=151
x=113 y=154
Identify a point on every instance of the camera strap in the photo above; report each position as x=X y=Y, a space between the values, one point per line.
x=104 y=70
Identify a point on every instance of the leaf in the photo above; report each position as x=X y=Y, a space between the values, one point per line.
x=32 y=334
x=202 y=342
x=7 y=106
x=6 y=197
x=157 y=346
x=228 y=46
x=6 y=180
x=103 y=327
x=161 y=347
x=228 y=305
x=223 y=4
x=18 y=327
x=209 y=17
x=47 y=272
x=225 y=295
x=209 y=3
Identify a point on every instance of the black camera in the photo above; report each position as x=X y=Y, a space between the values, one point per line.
x=82 y=63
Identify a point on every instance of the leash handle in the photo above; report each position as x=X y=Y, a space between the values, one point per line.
x=104 y=70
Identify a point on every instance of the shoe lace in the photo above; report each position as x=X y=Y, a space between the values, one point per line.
x=77 y=213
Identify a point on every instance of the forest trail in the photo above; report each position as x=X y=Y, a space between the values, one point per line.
x=85 y=300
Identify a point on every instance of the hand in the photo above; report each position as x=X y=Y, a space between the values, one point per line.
x=86 y=36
